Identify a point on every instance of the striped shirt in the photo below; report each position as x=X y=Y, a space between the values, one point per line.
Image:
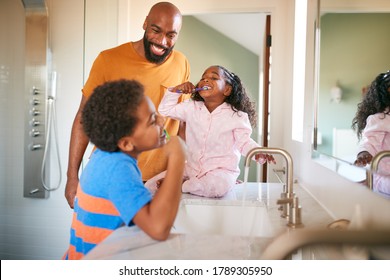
x=109 y=195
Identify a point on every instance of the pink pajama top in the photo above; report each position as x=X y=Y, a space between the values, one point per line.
x=215 y=140
x=376 y=138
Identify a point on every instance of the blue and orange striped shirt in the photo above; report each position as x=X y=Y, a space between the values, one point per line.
x=109 y=195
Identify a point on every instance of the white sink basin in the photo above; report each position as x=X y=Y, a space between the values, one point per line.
x=221 y=217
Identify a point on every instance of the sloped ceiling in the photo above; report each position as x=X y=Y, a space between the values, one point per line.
x=247 y=29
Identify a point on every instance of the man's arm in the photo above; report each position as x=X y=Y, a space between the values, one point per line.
x=78 y=143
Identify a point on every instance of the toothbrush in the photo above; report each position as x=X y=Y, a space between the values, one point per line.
x=167 y=137
x=194 y=90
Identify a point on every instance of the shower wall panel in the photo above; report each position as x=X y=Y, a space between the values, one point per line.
x=36 y=76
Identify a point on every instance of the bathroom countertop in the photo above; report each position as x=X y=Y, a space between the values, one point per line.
x=132 y=243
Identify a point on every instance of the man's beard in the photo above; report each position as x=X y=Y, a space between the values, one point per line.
x=151 y=56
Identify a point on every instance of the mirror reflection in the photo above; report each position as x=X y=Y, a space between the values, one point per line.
x=372 y=123
x=354 y=50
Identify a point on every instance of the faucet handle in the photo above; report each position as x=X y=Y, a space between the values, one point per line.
x=284 y=201
x=292 y=201
x=294 y=211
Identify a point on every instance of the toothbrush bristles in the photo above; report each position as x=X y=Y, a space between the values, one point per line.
x=202 y=88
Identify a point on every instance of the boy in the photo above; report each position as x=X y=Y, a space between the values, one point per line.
x=122 y=122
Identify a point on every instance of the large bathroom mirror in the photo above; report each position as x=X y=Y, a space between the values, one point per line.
x=353 y=50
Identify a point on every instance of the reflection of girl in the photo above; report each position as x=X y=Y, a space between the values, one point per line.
x=218 y=127
x=372 y=124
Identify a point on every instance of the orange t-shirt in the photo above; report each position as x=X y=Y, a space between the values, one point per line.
x=123 y=62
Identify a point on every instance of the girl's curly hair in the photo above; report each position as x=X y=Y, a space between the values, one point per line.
x=111 y=113
x=238 y=98
x=376 y=100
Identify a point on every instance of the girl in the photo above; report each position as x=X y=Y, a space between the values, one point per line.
x=218 y=121
x=372 y=124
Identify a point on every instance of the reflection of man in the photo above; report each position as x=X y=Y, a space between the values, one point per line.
x=153 y=62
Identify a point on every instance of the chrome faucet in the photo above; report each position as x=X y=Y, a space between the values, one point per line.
x=289 y=201
x=374 y=167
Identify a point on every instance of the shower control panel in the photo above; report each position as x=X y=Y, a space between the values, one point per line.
x=34 y=144
x=35 y=90
x=36 y=124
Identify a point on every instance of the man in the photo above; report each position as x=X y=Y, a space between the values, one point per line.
x=151 y=61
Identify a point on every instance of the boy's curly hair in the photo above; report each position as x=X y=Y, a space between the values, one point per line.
x=111 y=113
x=376 y=100
x=238 y=98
